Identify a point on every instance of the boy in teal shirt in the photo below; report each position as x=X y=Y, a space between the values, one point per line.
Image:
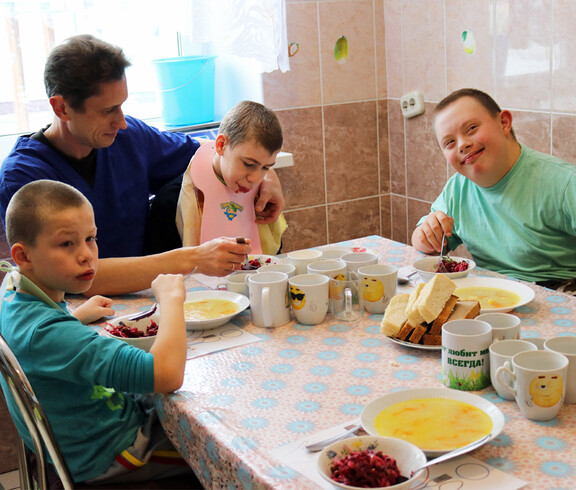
x=511 y=206
x=82 y=379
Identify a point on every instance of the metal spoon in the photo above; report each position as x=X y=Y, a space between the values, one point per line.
x=405 y=279
x=456 y=452
x=146 y=314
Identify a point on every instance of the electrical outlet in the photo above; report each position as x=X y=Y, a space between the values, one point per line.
x=412 y=104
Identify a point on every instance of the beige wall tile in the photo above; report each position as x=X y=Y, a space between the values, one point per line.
x=394 y=59
x=380 y=47
x=464 y=69
x=564 y=130
x=423 y=48
x=383 y=147
x=532 y=129
x=353 y=219
x=386 y=215
x=304 y=183
x=306 y=228
x=351 y=151
x=399 y=228
x=396 y=148
x=426 y=167
x=355 y=79
x=564 y=62
x=300 y=86
x=416 y=209
x=523 y=43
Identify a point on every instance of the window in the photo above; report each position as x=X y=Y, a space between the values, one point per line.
x=146 y=30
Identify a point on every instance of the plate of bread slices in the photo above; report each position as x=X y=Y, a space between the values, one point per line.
x=415 y=319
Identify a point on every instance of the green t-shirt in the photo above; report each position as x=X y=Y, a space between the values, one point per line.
x=525 y=225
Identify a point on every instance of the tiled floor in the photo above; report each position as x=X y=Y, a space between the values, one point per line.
x=9 y=481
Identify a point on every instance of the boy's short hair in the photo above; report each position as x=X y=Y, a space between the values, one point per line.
x=76 y=68
x=250 y=120
x=33 y=203
x=481 y=97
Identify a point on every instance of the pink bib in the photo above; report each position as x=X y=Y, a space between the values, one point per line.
x=225 y=213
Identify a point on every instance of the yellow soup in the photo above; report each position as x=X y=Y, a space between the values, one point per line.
x=489 y=297
x=208 y=309
x=434 y=423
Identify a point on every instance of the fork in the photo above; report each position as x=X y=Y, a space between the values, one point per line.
x=318 y=446
x=146 y=314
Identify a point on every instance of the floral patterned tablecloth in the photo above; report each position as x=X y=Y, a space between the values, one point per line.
x=237 y=405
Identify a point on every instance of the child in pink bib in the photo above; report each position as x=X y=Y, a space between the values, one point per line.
x=222 y=181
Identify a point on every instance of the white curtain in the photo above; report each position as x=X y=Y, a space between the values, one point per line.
x=254 y=29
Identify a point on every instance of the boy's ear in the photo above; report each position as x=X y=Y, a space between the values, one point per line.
x=220 y=143
x=59 y=107
x=506 y=121
x=20 y=256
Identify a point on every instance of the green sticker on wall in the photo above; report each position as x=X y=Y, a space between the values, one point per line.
x=341 y=50
x=469 y=41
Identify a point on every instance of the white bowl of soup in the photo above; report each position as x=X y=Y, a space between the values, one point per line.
x=204 y=310
x=437 y=420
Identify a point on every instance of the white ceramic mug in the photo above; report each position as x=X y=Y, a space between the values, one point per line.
x=309 y=297
x=354 y=260
x=288 y=269
x=537 y=380
x=269 y=302
x=237 y=283
x=346 y=304
x=334 y=252
x=504 y=325
x=378 y=282
x=503 y=351
x=301 y=258
x=537 y=341
x=566 y=346
x=465 y=354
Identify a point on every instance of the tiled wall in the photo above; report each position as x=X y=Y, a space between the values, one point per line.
x=360 y=168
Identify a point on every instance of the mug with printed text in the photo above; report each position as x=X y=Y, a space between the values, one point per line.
x=466 y=355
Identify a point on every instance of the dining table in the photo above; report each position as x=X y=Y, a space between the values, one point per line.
x=240 y=407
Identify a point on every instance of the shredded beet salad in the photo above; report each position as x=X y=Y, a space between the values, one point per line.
x=123 y=330
x=450 y=265
x=255 y=264
x=366 y=469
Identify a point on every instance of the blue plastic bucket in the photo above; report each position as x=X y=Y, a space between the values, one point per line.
x=186 y=86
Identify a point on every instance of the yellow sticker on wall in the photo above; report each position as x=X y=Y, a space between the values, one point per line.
x=469 y=41
x=341 y=50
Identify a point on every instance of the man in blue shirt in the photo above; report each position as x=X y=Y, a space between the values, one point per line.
x=117 y=162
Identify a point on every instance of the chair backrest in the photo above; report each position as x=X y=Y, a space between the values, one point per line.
x=36 y=422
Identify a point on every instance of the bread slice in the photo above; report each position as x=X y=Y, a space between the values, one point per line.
x=464 y=310
x=417 y=333
x=434 y=296
x=436 y=327
x=405 y=331
x=395 y=315
x=412 y=313
x=428 y=339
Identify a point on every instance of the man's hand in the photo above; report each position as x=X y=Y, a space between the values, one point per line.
x=270 y=202
x=427 y=238
x=221 y=256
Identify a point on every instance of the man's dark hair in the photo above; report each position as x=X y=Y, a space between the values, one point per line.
x=76 y=68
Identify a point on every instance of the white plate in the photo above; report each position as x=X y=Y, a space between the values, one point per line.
x=526 y=293
x=370 y=411
x=264 y=260
x=414 y=346
x=242 y=301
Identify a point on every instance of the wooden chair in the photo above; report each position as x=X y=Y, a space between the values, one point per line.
x=34 y=469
